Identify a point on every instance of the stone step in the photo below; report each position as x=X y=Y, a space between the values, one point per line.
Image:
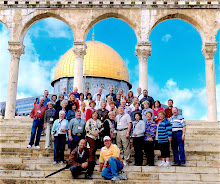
x=154 y=169
x=130 y=175
x=189 y=155
x=21 y=180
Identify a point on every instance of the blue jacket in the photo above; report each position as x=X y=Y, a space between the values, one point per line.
x=55 y=127
x=164 y=131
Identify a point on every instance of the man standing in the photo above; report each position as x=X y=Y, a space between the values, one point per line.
x=46 y=100
x=86 y=93
x=64 y=93
x=111 y=160
x=148 y=98
x=111 y=94
x=178 y=136
x=168 y=111
x=139 y=94
x=79 y=161
x=76 y=130
x=37 y=114
x=75 y=91
x=98 y=101
x=123 y=129
x=103 y=96
x=127 y=109
x=118 y=100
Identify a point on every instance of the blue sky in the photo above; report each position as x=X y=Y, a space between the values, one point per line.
x=176 y=67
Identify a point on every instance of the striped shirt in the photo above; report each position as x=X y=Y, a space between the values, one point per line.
x=164 y=131
x=177 y=122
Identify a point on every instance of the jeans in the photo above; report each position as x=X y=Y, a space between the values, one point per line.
x=76 y=170
x=59 y=147
x=75 y=141
x=177 y=145
x=36 y=127
x=113 y=169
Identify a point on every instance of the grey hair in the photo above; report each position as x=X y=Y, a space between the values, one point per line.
x=62 y=112
x=41 y=98
x=63 y=102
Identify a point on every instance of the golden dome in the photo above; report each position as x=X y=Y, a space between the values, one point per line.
x=100 y=61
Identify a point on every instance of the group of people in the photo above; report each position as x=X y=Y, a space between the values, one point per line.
x=108 y=122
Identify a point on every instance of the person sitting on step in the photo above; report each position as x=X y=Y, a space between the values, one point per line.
x=111 y=160
x=79 y=161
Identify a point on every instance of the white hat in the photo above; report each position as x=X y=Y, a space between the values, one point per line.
x=107 y=138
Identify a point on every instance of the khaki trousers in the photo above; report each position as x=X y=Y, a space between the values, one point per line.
x=123 y=144
x=48 y=141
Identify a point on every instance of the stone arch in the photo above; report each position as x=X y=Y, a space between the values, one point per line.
x=183 y=17
x=110 y=15
x=36 y=19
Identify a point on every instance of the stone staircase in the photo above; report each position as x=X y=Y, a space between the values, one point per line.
x=19 y=165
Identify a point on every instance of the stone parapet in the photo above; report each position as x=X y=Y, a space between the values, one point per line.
x=110 y=4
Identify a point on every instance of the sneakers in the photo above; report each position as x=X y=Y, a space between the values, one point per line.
x=116 y=178
x=37 y=147
x=125 y=163
x=122 y=177
x=161 y=164
x=61 y=163
x=29 y=146
x=55 y=163
x=166 y=164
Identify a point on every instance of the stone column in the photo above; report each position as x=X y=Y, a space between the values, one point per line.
x=143 y=51
x=79 y=50
x=15 y=49
x=208 y=50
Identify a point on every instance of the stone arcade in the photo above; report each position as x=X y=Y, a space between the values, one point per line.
x=81 y=15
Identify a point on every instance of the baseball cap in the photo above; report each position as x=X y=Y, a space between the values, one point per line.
x=107 y=138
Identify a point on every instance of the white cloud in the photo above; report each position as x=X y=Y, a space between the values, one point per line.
x=34 y=75
x=166 y=38
x=56 y=28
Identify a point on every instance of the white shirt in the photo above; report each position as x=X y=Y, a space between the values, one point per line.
x=62 y=125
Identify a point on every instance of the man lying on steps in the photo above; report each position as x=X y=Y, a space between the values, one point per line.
x=79 y=161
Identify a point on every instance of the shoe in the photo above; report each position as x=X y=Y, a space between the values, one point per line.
x=55 y=163
x=29 y=146
x=182 y=165
x=61 y=163
x=167 y=164
x=116 y=178
x=125 y=163
x=88 y=176
x=161 y=164
x=37 y=147
x=176 y=164
x=122 y=177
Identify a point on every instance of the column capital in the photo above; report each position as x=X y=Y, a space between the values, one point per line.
x=16 y=49
x=143 y=49
x=79 y=48
x=209 y=49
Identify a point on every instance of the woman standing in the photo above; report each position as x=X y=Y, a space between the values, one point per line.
x=81 y=99
x=71 y=113
x=138 y=138
x=72 y=99
x=63 y=107
x=110 y=127
x=150 y=132
x=88 y=100
x=103 y=112
x=109 y=100
x=164 y=135
x=157 y=108
x=58 y=103
x=83 y=110
x=89 y=111
x=49 y=118
x=59 y=134
x=93 y=129
x=130 y=97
